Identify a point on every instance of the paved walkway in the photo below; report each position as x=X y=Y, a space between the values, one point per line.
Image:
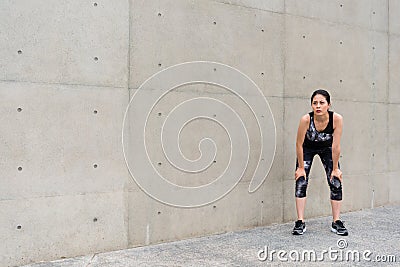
x=374 y=237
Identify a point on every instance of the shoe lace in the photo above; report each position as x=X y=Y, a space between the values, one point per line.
x=340 y=223
x=298 y=223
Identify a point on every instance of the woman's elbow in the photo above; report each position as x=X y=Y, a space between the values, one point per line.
x=299 y=145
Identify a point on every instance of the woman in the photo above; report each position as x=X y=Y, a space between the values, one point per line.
x=319 y=134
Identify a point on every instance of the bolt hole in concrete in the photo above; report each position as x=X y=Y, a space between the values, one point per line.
x=159 y=164
x=304 y=77
x=262 y=73
x=304 y=37
x=215 y=23
x=19 y=52
x=159 y=64
x=95 y=219
x=214 y=207
x=341 y=42
x=95 y=111
x=20 y=168
x=159 y=14
x=94 y=4
x=262 y=30
x=159 y=113
x=19 y=227
x=215 y=161
x=341 y=81
x=19 y=109
x=96 y=58
x=159 y=212
x=215 y=69
x=95 y=166
x=341 y=5
x=373 y=48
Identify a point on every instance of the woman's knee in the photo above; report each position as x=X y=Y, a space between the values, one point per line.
x=301 y=187
x=336 y=188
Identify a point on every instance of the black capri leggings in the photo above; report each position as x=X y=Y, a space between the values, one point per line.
x=326 y=157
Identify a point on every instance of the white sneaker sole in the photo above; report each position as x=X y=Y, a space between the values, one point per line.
x=336 y=232
x=304 y=230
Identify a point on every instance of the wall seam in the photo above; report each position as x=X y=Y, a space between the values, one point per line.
x=284 y=46
x=337 y=23
x=127 y=206
x=388 y=166
x=249 y=7
x=62 y=84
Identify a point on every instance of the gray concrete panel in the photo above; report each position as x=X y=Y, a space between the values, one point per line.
x=318 y=201
x=378 y=133
x=371 y=15
x=47 y=228
x=394 y=69
x=357 y=149
x=294 y=109
x=350 y=62
x=394 y=187
x=393 y=141
x=273 y=5
x=71 y=42
x=289 y=205
x=60 y=139
x=248 y=39
x=394 y=13
x=192 y=133
x=358 y=192
x=381 y=191
x=162 y=114
x=160 y=223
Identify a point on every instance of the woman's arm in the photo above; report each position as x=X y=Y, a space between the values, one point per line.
x=338 y=127
x=301 y=132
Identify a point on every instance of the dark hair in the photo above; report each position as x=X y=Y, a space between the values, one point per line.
x=322 y=92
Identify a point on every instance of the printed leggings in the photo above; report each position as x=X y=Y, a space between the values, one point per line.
x=326 y=157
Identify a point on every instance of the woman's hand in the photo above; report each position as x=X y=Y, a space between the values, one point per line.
x=337 y=173
x=299 y=172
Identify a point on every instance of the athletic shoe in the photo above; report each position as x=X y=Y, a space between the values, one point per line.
x=338 y=228
x=299 y=227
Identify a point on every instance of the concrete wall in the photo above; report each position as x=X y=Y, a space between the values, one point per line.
x=68 y=70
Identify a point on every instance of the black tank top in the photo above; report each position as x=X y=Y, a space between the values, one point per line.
x=315 y=139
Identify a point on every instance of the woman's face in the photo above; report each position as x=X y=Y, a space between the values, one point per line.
x=319 y=105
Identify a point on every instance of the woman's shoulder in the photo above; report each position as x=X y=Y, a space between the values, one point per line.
x=305 y=118
x=337 y=120
x=337 y=116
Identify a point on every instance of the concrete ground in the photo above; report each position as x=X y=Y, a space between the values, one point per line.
x=374 y=240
